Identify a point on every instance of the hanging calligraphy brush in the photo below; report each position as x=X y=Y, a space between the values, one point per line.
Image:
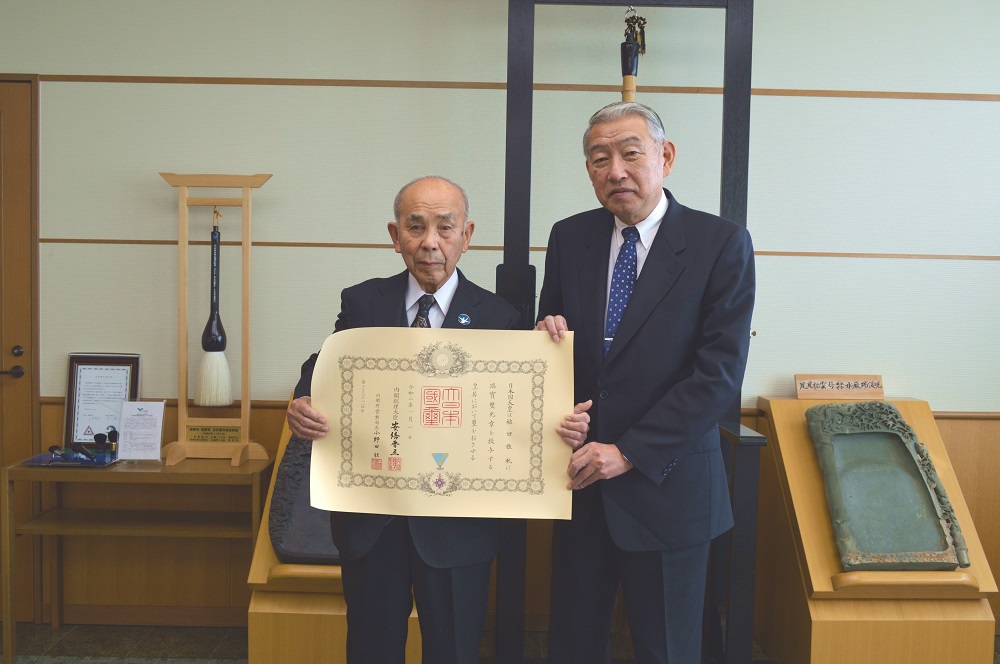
x=633 y=46
x=213 y=386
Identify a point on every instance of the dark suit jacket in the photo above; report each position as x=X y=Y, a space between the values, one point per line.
x=676 y=364
x=441 y=542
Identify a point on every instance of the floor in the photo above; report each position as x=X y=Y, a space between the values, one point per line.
x=102 y=644
x=106 y=644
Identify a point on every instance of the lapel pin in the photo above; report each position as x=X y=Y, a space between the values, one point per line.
x=464 y=319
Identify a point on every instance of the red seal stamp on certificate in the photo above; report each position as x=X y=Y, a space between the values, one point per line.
x=441 y=407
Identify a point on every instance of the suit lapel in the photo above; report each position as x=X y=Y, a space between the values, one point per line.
x=463 y=307
x=659 y=273
x=593 y=291
x=390 y=309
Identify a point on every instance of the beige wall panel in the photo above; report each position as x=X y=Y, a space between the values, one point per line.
x=575 y=44
x=847 y=45
x=929 y=327
x=123 y=298
x=857 y=45
x=301 y=295
x=338 y=155
x=109 y=299
x=874 y=175
x=560 y=186
x=392 y=39
x=303 y=288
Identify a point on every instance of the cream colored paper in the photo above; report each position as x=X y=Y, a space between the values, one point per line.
x=443 y=422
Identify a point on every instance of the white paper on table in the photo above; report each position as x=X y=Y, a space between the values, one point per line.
x=443 y=422
x=140 y=433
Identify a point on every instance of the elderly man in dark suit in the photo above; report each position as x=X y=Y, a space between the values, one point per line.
x=446 y=561
x=660 y=298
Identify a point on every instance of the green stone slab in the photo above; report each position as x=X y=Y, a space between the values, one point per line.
x=889 y=509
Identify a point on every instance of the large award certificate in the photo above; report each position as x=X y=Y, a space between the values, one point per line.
x=443 y=422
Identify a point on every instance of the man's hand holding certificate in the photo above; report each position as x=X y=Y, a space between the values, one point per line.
x=443 y=422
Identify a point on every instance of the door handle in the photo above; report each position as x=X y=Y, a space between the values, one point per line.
x=16 y=371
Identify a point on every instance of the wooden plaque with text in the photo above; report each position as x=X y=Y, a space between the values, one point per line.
x=856 y=387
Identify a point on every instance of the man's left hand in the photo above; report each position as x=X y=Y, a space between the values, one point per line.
x=595 y=461
x=574 y=427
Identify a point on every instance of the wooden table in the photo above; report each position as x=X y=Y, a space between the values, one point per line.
x=60 y=520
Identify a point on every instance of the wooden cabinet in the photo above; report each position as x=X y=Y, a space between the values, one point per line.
x=242 y=523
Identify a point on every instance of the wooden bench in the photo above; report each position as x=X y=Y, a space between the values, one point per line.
x=297 y=612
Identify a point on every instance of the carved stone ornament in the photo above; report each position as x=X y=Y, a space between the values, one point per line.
x=889 y=509
x=299 y=532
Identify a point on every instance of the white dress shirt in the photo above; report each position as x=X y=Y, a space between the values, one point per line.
x=442 y=300
x=647 y=231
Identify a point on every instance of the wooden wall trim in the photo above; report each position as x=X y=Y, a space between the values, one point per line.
x=259 y=243
x=260 y=404
x=959 y=415
x=300 y=82
x=876 y=94
x=499 y=247
x=752 y=412
x=491 y=85
x=860 y=254
x=32 y=78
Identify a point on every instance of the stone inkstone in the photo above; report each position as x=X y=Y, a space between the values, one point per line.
x=299 y=532
x=889 y=509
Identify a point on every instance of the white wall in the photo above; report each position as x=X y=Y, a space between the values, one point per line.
x=882 y=175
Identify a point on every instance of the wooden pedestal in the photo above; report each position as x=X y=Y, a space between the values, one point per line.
x=306 y=628
x=297 y=612
x=809 y=611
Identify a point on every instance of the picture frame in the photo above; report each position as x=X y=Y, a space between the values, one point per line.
x=98 y=383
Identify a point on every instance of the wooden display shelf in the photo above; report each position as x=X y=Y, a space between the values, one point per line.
x=809 y=611
x=192 y=471
x=129 y=523
x=61 y=521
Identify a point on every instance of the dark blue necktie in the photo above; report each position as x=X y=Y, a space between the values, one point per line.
x=622 y=282
x=424 y=305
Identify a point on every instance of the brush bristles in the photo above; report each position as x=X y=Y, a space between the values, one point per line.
x=213 y=386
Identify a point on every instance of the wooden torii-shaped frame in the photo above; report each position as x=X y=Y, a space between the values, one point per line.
x=237 y=452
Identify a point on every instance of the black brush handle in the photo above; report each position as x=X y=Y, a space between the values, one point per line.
x=213 y=339
x=630 y=58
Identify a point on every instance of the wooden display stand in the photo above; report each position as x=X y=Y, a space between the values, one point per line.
x=238 y=452
x=63 y=519
x=297 y=612
x=808 y=610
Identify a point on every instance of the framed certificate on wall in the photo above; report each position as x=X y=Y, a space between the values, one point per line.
x=98 y=384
